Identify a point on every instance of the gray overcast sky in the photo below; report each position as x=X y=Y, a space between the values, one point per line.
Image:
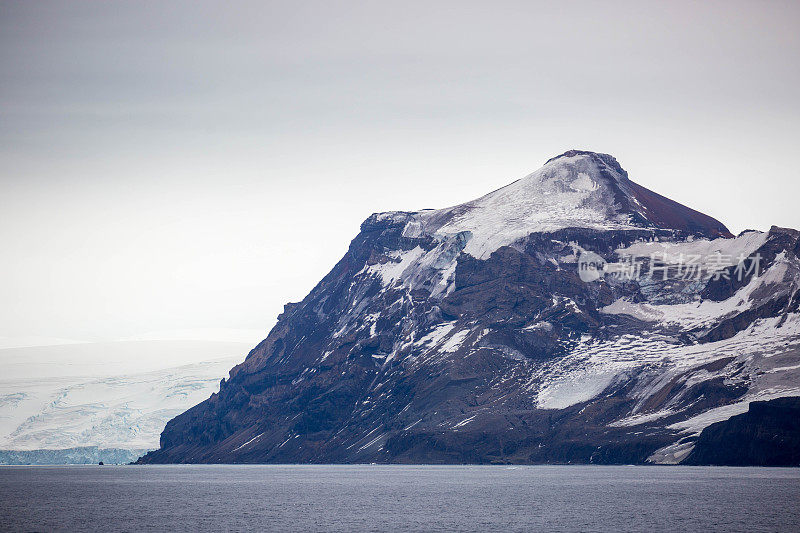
x=191 y=165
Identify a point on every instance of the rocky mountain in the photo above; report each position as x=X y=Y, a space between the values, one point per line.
x=571 y=316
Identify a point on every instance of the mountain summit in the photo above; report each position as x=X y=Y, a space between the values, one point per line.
x=469 y=334
x=577 y=189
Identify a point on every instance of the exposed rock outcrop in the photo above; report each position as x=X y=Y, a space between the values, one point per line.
x=768 y=434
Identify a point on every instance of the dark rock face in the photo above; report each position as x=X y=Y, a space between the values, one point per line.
x=467 y=335
x=668 y=213
x=768 y=434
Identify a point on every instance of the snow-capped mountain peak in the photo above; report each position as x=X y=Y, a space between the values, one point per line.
x=577 y=189
x=466 y=334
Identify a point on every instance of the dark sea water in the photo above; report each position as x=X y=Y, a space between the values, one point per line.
x=398 y=498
